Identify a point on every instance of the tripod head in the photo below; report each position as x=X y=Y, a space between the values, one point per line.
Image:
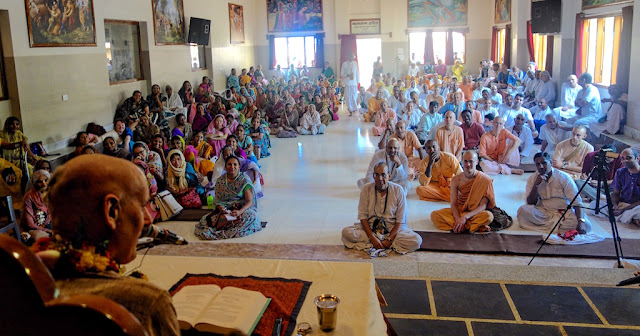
x=603 y=158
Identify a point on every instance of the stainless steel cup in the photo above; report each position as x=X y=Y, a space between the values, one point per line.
x=327 y=305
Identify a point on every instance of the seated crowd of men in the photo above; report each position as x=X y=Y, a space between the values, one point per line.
x=452 y=135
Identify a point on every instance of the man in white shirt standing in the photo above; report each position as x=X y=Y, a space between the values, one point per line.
x=351 y=76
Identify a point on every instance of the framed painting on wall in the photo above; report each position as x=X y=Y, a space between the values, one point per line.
x=236 y=23
x=502 y=11
x=437 y=13
x=586 y=4
x=294 y=15
x=61 y=23
x=168 y=21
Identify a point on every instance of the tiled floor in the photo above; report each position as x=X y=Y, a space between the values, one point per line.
x=311 y=194
x=443 y=307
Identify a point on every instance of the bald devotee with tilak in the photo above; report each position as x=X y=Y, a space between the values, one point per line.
x=397 y=166
x=381 y=212
x=450 y=137
x=570 y=153
x=626 y=189
x=408 y=143
x=436 y=171
x=498 y=155
x=471 y=198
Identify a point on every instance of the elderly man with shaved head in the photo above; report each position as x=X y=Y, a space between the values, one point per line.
x=570 y=153
x=436 y=171
x=499 y=150
x=626 y=189
x=471 y=199
x=91 y=206
x=397 y=165
x=381 y=214
x=409 y=144
x=547 y=89
x=567 y=105
x=552 y=133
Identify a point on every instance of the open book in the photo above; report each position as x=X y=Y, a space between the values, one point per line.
x=211 y=309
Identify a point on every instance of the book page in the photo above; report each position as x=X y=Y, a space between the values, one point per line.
x=234 y=308
x=190 y=301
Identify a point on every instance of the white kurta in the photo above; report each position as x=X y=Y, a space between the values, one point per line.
x=363 y=100
x=348 y=69
x=614 y=115
x=568 y=98
x=553 y=197
x=590 y=112
x=547 y=91
x=526 y=144
x=553 y=137
x=397 y=174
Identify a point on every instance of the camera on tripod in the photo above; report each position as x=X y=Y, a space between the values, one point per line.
x=603 y=155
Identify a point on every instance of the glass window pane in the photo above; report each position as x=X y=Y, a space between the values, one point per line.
x=607 y=58
x=123 y=53
x=310 y=50
x=591 y=51
x=195 y=57
x=296 y=51
x=459 y=47
x=280 y=44
x=439 y=46
x=416 y=46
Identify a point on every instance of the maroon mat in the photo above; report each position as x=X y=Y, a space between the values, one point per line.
x=501 y=243
x=287 y=296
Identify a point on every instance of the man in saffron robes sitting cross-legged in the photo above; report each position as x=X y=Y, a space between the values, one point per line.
x=471 y=198
x=499 y=155
x=436 y=171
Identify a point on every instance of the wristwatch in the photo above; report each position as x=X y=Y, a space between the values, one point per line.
x=582 y=220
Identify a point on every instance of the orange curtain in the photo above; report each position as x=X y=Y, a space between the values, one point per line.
x=617 y=34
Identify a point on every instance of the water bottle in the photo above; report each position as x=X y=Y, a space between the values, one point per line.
x=210 y=201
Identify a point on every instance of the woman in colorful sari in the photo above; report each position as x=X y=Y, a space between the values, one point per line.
x=246 y=166
x=217 y=133
x=235 y=196
x=110 y=148
x=152 y=160
x=35 y=215
x=10 y=183
x=232 y=141
x=145 y=130
x=182 y=179
x=183 y=128
x=260 y=138
x=245 y=142
x=216 y=107
x=232 y=123
x=205 y=93
x=14 y=143
x=201 y=120
x=199 y=155
x=158 y=146
x=323 y=109
x=153 y=187
x=261 y=99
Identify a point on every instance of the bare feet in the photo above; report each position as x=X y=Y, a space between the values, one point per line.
x=517 y=171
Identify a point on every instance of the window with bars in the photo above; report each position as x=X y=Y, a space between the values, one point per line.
x=500 y=46
x=417 y=46
x=297 y=50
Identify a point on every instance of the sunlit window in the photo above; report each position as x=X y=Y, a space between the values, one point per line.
x=600 y=48
x=299 y=51
x=198 y=59
x=417 y=46
x=500 y=45
x=540 y=50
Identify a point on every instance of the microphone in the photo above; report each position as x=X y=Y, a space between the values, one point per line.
x=162 y=235
x=630 y=281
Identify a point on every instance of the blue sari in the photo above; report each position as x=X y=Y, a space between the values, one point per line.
x=230 y=195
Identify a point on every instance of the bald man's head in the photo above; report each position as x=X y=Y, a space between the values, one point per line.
x=94 y=198
x=469 y=162
x=578 y=134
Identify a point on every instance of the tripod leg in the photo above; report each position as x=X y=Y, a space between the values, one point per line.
x=614 y=226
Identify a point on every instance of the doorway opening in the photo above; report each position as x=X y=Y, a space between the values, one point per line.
x=368 y=51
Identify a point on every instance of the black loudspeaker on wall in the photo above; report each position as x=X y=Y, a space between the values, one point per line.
x=199 y=30
x=546 y=16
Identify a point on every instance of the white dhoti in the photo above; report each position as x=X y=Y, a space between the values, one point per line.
x=583 y=121
x=626 y=217
x=568 y=114
x=538 y=218
x=494 y=168
x=354 y=237
x=351 y=97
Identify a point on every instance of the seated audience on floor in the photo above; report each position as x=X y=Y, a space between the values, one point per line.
x=110 y=213
x=499 y=150
x=411 y=115
x=472 y=131
x=409 y=143
x=626 y=191
x=156 y=100
x=549 y=191
x=457 y=105
x=382 y=216
x=259 y=136
x=381 y=118
x=323 y=109
x=245 y=142
x=388 y=132
x=611 y=122
x=471 y=199
x=201 y=120
x=570 y=153
x=547 y=89
x=516 y=109
x=526 y=139
x=35 y=212
x=310 y=124
x=246 y=166
x=235 y=211
x=435 y=173
x=587 y=101
x=373 y=106
x=590 y=162
x=567 y=106
x=398 y=167
x=152 y=160
x=109 y=148
x=539 y=113
x=14 y=143
x=158 y=146
x=88 y=149
x=145 y=130
x=552 y=133
x=363 y=100
x=505 y=106
x=435 y=96
x=133 y=108
x=428 y=120
x=183 y=128
x=217 y=133
x=487 y=108
x=121 y=134
x=183 y=181
x=450 y=137
x=174 y=102
x=530 y=88
x=186 y=95
x=81 y=140
x=495 y=95
x=205 y=93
